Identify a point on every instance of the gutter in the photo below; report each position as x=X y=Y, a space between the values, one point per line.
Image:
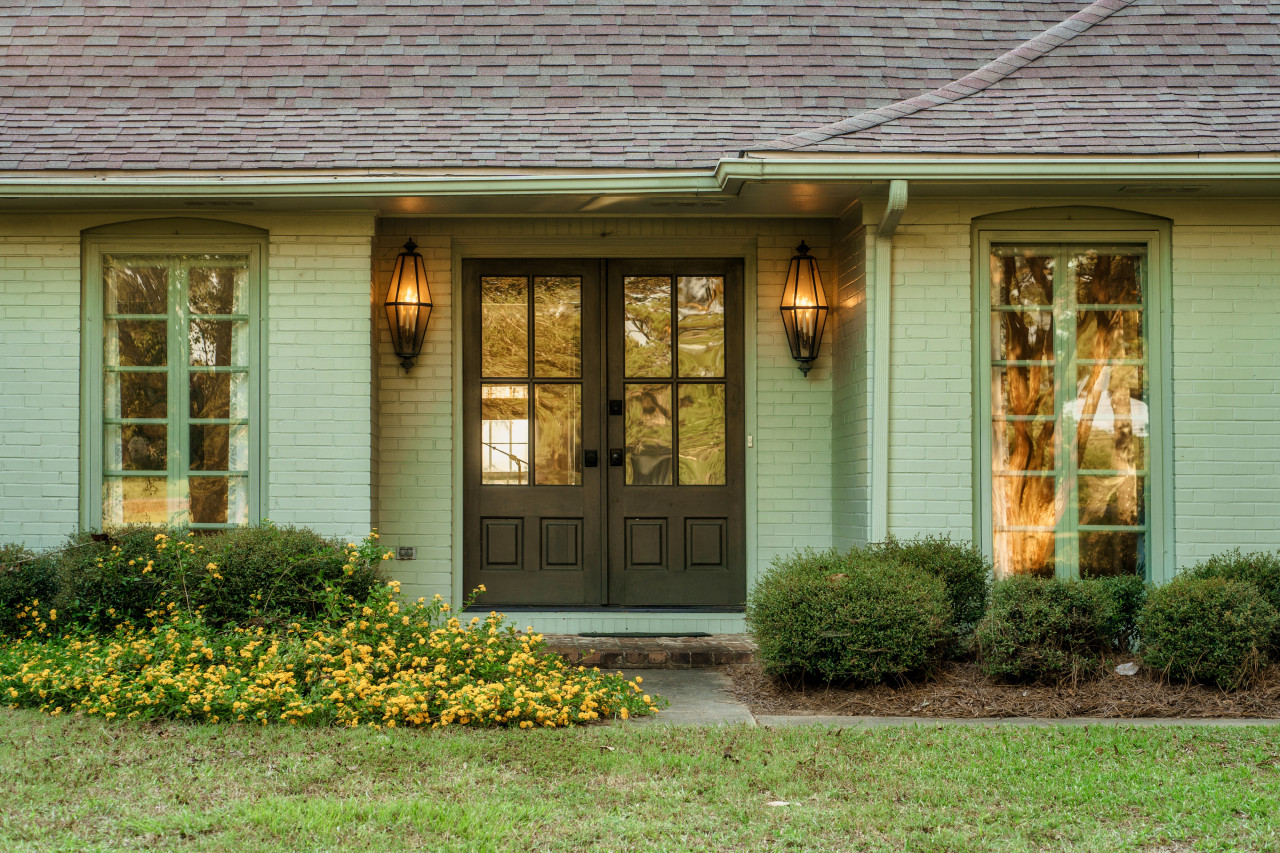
x=859 y=167
x=881 y=306
x=728 y=176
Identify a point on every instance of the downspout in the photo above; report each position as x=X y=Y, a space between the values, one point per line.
x=882 y=296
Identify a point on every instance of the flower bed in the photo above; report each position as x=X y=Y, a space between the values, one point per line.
x=374 y=662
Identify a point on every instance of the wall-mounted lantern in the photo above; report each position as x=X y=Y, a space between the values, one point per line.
x=804 y=308
x=408 y=304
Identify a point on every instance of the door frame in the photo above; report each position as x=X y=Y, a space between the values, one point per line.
x=601 y=245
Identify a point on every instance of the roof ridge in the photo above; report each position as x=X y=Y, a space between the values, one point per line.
x=988 y=75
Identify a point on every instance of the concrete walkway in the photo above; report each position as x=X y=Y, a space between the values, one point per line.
x=700 y=697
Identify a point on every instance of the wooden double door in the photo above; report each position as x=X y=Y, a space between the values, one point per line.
x=603 y=432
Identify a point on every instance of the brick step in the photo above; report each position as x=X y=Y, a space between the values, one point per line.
x=652 y=652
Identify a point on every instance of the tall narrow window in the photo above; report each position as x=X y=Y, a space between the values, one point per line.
x=176 y=403
x=1070 y=417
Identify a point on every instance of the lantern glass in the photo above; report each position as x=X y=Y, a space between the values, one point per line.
x=408 y=305
x=804 y=308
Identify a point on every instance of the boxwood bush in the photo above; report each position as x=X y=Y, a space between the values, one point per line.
x=1260 y=569
x=1045 y=629
x=1129 y=594
x=1208 y=629
x=853 y=616
x=962 y=568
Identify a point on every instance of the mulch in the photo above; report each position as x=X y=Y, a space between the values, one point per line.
x=959 y=690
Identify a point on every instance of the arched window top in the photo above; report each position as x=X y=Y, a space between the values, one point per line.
x=1077 y=216
x=175 y=226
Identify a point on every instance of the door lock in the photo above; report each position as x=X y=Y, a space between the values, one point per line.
x=615 y=457
x=615 y=407
x=590 y=458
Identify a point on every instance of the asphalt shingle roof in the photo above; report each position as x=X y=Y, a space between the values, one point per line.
x=247 y=84
x=1121 y=77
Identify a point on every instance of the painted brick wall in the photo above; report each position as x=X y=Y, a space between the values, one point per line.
x=851 y=391
x=39 y=384
x=1226 y=385
x=793 y=420
x=320 y=377
x=414 y=499
x=789 y=466
x=931 y=381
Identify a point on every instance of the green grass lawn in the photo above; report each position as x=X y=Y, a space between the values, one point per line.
x=82 y=784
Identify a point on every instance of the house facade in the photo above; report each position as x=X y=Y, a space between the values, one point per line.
x=1048 y=236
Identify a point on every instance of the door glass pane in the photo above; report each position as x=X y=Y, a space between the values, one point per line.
x=504 y=326
x=217 y=290
x=137 y=395
x=137 y=343
x=504 y=434
x=135 y=500
x=647 y=325
x=132 y=288
x=1022 y=276
x=219 y=343
x=702 y=435
x=700 y=324
x=219 y=395
x=557 y=326
x=1107 y=277
x=137 y=447
x=648 y=429
x=558 y=435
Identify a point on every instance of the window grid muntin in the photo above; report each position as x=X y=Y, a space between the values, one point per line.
x=1067 y=528
x=178 y=369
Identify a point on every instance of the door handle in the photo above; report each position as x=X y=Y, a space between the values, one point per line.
x=590 y=458
x=615 y=457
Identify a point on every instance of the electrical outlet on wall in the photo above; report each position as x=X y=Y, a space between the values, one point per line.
x=406 y=552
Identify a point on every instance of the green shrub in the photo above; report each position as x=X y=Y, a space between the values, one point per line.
x=961 y=566
x=25 y=576
x=283 y=571
x=853 y=616
x=1260 y=569
x=1129 y=592
x=262 y=573
x=1044 y=629
x=102 y=580
x=1208 y=629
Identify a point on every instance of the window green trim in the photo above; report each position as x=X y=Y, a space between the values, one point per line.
x=1082 y=226
x=170 y=237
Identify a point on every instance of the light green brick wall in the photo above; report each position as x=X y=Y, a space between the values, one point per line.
x=789 y=417
x=931 y=378
x=39 y=380
x=851 y=391
x=319 y=449
x=320 y=374
x=1226 y=380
